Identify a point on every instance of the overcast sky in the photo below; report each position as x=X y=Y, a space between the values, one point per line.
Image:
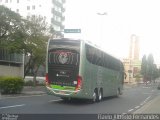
x=113 y=31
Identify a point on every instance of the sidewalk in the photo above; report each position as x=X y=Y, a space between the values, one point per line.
x=27 y=91
x=152 y=107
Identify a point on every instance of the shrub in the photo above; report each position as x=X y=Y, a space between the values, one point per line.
x=11 y=85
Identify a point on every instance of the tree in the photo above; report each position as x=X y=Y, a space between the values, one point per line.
x=36 y=43
x=24 y=36
x=144 y=67
x=11 y=29
x=150 y=66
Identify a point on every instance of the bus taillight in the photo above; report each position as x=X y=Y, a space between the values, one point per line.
x=79 y=83
x=47 y=80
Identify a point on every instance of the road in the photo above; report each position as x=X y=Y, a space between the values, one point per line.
x=133 y=98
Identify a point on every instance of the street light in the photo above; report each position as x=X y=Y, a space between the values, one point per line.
x=101 y=14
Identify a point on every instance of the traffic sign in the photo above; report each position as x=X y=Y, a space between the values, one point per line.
x=72 y=30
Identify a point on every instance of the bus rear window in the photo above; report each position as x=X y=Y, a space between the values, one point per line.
x=64 y=52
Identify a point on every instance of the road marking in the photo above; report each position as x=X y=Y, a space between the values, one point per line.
x=55 y=100
x=145 y=101
x=130 y=110
x=147 y=93
x=145 y=87
x=148 y=97
x=137 y=107
x=12 y=106
x=22 y=96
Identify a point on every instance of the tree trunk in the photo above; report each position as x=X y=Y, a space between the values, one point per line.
x=34 y=76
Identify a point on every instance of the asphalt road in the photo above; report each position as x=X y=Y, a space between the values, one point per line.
x=133 y=98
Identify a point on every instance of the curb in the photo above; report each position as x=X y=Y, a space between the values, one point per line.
x=23 y=94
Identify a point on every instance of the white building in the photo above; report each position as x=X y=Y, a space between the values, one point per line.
x=52 y=10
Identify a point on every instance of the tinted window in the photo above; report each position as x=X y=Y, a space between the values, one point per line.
x=63 y=52
x=98 y=57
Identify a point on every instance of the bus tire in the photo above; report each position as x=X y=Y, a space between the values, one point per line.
x=100 y=95
x=95 y=96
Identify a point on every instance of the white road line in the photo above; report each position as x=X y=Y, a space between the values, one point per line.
x=137 y=107
x=148 y=97
x=145 y=101
x=130 y=110
x=147 y=93
x=22 y=96
x=55 y=100
x=12 y=106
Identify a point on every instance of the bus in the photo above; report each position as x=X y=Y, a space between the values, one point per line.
x=79 y=69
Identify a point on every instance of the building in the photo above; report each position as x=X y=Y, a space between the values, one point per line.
x=51 y=10
x=11 y=64
x=132 y=64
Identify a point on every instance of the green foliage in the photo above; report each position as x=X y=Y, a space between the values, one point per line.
x=30 y=37
x=148 y=68
x=144 y=65
x=11 y=29
x=11 y=85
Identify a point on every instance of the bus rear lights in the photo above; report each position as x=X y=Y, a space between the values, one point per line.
x=79 y=83
x=47 y=80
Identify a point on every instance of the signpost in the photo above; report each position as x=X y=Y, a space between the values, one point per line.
x=72 y=30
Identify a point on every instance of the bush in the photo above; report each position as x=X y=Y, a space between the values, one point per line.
x=11 y=85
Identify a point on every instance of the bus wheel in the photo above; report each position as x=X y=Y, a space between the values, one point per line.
x=100 y=96
x=95 y=96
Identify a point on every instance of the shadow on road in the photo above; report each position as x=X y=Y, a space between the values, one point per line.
x=81 y=102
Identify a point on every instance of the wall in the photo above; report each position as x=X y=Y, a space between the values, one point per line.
x=11 y=70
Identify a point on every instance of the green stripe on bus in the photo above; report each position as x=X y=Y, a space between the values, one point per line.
x=62 y=87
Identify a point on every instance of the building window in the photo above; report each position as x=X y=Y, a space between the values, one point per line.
x=0 y=0
x=28 y=7
x=33 y=7
x=6 y=1
x=10 y=1
x=17 y=1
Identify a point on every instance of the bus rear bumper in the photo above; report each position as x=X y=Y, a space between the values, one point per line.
x=68 y=93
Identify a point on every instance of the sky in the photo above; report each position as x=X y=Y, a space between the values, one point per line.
x=113 y=31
